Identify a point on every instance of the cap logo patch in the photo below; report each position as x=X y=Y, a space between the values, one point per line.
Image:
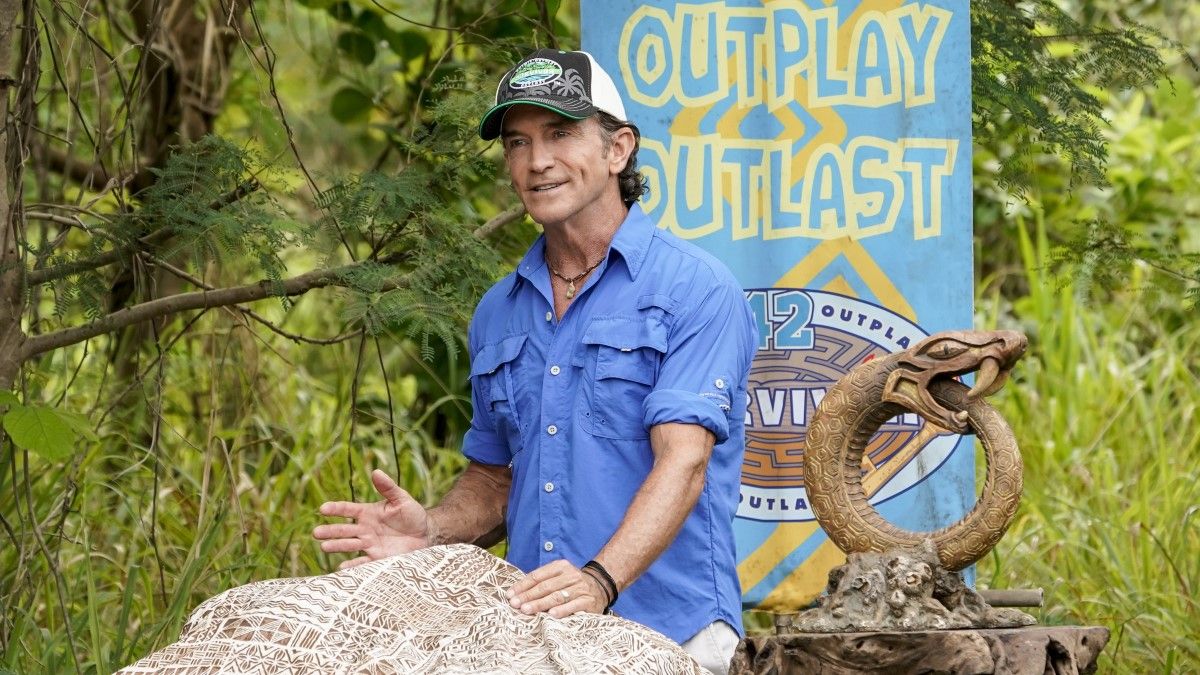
x=534 y=72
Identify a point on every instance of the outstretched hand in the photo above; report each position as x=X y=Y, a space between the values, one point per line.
x=397 y=524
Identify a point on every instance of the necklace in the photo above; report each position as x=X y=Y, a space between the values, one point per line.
x=571 y=280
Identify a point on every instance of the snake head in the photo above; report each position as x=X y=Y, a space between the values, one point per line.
x=946 y=355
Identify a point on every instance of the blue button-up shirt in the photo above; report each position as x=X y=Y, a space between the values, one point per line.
x=660 y=333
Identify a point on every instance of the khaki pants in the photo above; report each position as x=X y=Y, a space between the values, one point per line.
x=713 y=647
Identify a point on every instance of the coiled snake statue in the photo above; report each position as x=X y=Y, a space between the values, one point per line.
x=921 y=380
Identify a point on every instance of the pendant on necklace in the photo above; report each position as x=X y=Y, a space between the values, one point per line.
x=570 y=289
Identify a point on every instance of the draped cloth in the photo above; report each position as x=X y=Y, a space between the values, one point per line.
x=437 y=610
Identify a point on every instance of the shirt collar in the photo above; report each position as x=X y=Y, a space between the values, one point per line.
x=534 y=260
x=632 y=241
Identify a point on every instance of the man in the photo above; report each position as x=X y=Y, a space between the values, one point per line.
x=608 y=377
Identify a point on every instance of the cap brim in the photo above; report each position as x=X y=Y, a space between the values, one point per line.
x=493 y=120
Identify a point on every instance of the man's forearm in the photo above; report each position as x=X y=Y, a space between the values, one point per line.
x=661 y=505
x=472 y=511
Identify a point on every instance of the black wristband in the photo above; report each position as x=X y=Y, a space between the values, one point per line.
x=606 y=579
x=595 y=576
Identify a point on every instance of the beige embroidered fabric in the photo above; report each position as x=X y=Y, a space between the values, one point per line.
x=437 y=610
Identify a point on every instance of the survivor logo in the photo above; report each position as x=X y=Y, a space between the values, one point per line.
x=807 y=341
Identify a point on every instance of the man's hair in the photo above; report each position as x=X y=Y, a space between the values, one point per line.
x=631 y=181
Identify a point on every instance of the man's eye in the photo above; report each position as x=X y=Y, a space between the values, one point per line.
x=561 y=133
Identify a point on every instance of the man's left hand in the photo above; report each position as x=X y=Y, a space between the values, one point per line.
x=559 y=588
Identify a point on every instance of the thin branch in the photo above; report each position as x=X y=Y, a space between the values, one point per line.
x=71 y=222
x=61 y=220
x=1092 y=35
x=270 y=325
x=500 y=220
x=546 y=24
x=1181 y=276
x=387 y=387
x=362 y=347
x=449 y=29
x=82 y=210
x=296 y=337
x=57 y=70
x=74 y=374
x=46 y=275
x=181 y=302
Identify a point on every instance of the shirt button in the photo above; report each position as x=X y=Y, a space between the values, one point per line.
x=549 y=487
x=554 y=370
x=549 y=546
x=549 y=315
x=552 y=430
x=720 y=383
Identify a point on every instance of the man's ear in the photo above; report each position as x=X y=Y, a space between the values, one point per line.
x=623 y=142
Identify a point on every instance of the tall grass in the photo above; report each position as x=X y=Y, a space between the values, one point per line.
x=105 y=555
x=1106 y=408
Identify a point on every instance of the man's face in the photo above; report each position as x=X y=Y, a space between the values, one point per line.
x=559 y=166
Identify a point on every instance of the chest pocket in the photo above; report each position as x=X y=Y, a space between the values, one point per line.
x=491 y=372
x=622 y=356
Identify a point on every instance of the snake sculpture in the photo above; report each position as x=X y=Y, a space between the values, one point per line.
x=920 y=379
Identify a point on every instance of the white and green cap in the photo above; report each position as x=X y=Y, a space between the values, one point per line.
x=571 y=84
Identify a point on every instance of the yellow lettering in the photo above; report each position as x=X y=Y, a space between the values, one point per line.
x=700 y=53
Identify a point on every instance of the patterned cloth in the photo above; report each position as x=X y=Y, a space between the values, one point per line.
x=437 y=610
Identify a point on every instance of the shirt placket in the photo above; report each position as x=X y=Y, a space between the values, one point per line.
x=554 y=425
x=558 y=383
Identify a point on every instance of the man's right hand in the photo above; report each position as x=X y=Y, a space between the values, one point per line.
x=397 y=524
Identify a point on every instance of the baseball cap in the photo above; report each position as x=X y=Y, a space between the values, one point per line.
x=571 y=84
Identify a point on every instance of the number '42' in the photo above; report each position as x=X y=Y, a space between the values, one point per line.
x=783 y=318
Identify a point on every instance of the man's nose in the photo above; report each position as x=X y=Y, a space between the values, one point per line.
x=541 y=157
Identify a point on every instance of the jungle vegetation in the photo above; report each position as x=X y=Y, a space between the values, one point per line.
x=242 y=241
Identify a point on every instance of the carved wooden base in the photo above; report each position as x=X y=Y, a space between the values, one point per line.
x=1032 y=650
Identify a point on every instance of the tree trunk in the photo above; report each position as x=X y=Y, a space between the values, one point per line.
x=12 y=305
x=189 y=49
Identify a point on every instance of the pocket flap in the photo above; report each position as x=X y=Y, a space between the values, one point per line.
x=490 y=357
x=626 y=334
x=663 y=302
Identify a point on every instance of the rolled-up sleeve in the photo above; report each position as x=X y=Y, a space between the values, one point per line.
x=708 y=358
x=481 y=443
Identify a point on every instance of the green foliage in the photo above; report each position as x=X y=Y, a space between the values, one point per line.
x=413 y=220
x=183 y=197
x=1107 y=414
x=1146 y=215
x=1064 y=129
x=1031 y=64
x=206 y=204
